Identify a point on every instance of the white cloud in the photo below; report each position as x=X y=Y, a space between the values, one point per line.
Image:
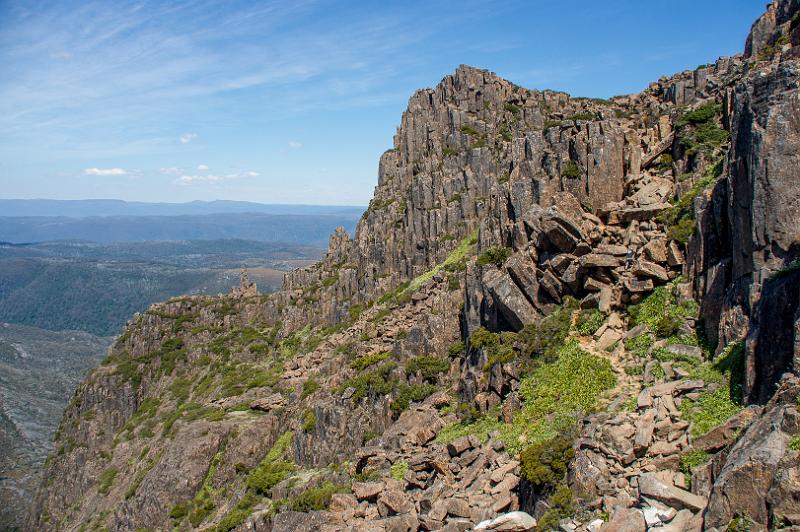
x=105 y=171
x=202 y=167
x=293 y=144
x=64 y=56
x=212 y=178
x=171 y=170
x=186 y=138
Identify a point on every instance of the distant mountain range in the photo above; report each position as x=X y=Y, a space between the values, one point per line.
x=112 y=207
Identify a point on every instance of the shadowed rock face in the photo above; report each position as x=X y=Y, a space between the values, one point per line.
x=497 y=206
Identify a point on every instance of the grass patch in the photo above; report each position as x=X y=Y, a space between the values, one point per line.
x=316 y=499
x=408 y=393
x=309 y=387
x=692 y=459
x=106 y=479
x=713 y=408
x=571 y=170
x=661 y=311
x=680 y=219
x=273 y=468
x=556 y=393
x=398 y=470
x=496 y=255
x=699 y=132
x=589 y=321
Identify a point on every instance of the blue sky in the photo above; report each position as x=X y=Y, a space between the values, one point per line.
x=294 y=101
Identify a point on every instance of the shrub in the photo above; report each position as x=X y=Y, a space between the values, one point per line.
x=429 y=366
x=661 y=312
x=366 y=361
x=408 y=393
x=544 y=339
x=374 y=382
x=309 y=387
x=106 y=480
x=794 y=444
x=698 y=130
x=179 y=511
x=571 y=170
x=456 y=350
x=589 y=321
x=544 y=464
x=560 y=506
x=238 y=514
x=496 y=255
x=316 y=499
x=309 y=420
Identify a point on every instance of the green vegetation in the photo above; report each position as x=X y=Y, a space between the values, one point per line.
x=309 y=387
x=429 y=366
x=496 y=255
x=374 y=382
x=137 y=480
x=273 y=468
x=398 y=470
x=661 y=311
x=560 y=506
x=106 y=480
x=455 y=261
x=315 y=499
x=513 y=109
x=479 y=427
x=360 y=364
x=542 y=341
x=692 y=459
x=408 y=393
x=555 y=392
x=499 y=347
x=544 y=463
x=238 y=514
x=680 y=219
x=447 y=151
x=589 y=321
x=715 y=406
x=740 y=524
x=571 y=170
x=309 y=420
x=699 y=132
x=794 y=444
x=456 y=350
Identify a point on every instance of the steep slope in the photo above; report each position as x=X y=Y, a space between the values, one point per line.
x=512 y=326
x=39 y=370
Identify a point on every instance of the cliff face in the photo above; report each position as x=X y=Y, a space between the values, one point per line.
x=513 y=326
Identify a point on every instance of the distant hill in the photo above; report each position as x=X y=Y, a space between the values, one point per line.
x=97 y=288
x=306 y=229
x=112 y=207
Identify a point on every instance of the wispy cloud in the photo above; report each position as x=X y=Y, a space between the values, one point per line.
x=106 y=171
x=293 y=144
x=202 y=167
x=213 y=178
x=170 y=170
x=186 y=138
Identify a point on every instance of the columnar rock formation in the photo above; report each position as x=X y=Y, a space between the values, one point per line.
x=565 y=306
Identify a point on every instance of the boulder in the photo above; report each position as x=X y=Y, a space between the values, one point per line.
x=625 y=520
x=650 y=486
x=394 y=501
x=725 y=434
x=510 y=300
x=510 y=522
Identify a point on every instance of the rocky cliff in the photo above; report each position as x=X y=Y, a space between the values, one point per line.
x=583 y=309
